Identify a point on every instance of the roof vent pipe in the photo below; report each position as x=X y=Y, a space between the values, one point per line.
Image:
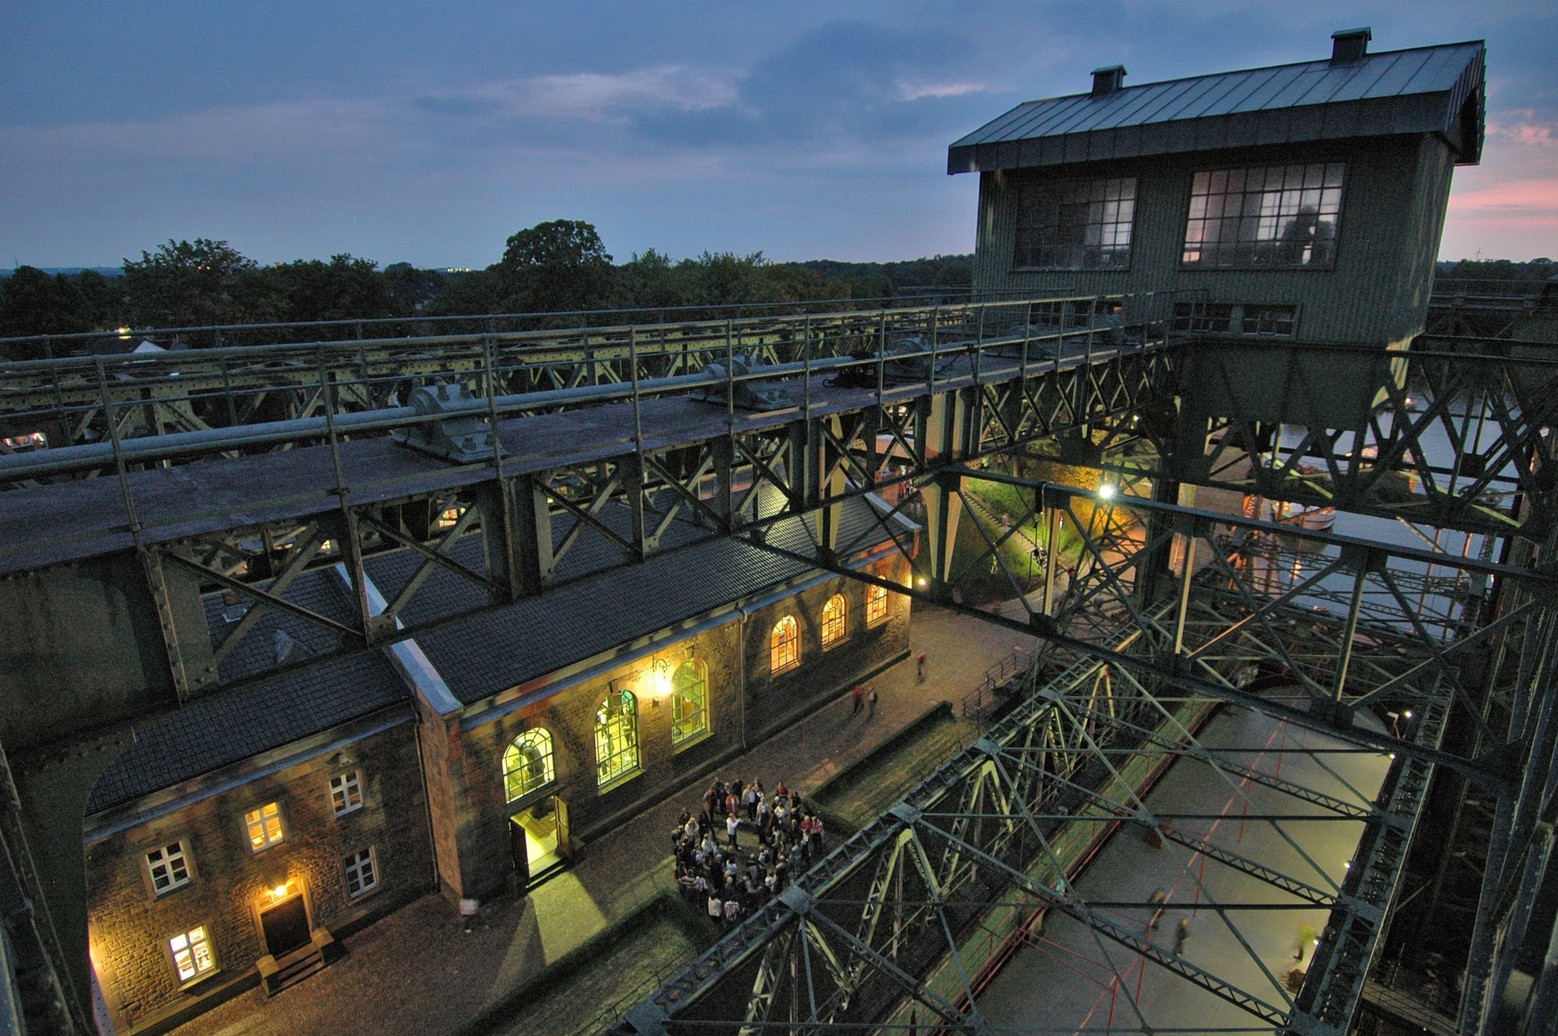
x=1107 y=80
x=1350 y=44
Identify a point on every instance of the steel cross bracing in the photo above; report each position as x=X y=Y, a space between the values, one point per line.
x=990 y=852
x=1459 y=440
x=95 y=398
x=1378 y=644
x=565 y=489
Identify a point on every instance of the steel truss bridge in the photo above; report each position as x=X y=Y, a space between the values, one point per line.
x=230 y=472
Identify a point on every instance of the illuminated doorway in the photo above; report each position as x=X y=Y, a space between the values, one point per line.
x=538 y=840
x=285 y=926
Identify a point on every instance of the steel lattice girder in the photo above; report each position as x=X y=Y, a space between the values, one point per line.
x=1457 y=443
x=999 y=831
x=73 y=400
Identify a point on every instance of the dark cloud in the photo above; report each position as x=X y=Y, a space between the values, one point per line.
x=846 y=80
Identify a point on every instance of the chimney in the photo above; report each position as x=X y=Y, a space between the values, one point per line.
x=1107 y=80
x=1349 y=44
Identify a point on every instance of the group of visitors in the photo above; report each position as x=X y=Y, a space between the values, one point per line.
x=727 y=878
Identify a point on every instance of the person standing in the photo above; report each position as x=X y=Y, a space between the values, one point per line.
x=871 y=701
x=919 y=666
x=1181 y=933
x=732 y=825
x=857 y=694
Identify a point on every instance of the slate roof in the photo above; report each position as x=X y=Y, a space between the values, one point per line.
x=229 y=726
x=498 y=649
x=478 y=656
x=1422 y=90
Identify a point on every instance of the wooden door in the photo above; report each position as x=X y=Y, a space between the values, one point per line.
x=560 y=813
x=285 y=927
x=521 y=853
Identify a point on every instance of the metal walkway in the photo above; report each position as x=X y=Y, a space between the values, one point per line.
x=184 y=480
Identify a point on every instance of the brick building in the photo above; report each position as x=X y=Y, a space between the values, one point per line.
x=236 y=840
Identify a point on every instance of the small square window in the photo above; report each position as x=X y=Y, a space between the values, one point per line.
x=362 y=873
x=192 y=956
x=346 y=792
x=168 y=868
x=264 y=825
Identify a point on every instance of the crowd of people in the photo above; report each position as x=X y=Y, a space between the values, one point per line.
x=742 y=848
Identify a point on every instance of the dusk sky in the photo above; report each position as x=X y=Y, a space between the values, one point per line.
x=428 y=132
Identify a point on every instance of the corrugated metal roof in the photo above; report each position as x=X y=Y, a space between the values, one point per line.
x=1422 y=90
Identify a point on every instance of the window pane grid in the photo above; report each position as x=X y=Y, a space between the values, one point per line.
x=1075 y=224
x=169 y=868
x=833 y=615
x=361 y=874
x=689 y=700
x=192 y=954
x=527 y=763
x=616 y=737
x=1283 y=217
x=876 y=603
x=346 y=792
x=264 y=825
x=784 y=645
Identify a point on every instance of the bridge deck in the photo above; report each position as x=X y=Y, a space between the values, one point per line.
x=73 y=520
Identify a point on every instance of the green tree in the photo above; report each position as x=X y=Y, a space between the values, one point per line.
x=34 y=303
x=411 y=289
x=345 y=288
x=727 y=279
x=185 y=284
x=650 y=281
x=555 y=266
x=469 y=293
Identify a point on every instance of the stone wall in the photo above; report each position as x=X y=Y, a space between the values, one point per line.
x=130 y=924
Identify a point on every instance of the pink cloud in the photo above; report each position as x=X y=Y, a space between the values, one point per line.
x=1511 y=196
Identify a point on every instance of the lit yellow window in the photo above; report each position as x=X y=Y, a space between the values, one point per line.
x=784 y=645
x=833 y=621
x=192 y=954
x=876 y=604
x=264 y=826
x=527 y=763
x=689 y=700
x=616 y=737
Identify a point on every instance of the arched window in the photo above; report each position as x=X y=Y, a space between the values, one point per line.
x=876 y=604
x=689 y=700
x=833 y=614
x=527 y=764
x=784 y=645
x=616 y=737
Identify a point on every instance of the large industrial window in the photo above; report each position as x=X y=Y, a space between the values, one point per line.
x=833 y=615
x=1075 y=224
x=527 y=764
x=362 y=873
x=876 y=604
x=1281 y=216
x=346 y=792
x=264 y=825
x=784 y=645
x=192 y=956
x=616 y=737
x=689 y=700
x=168 y=867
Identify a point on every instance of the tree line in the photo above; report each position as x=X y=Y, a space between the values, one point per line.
x=553 y=267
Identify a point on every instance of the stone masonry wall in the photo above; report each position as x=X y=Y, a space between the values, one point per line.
x=130 y=925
